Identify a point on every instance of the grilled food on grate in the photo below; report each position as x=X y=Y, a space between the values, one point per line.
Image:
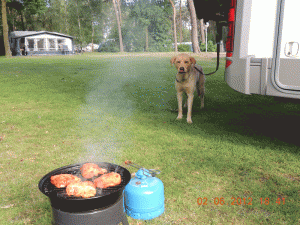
x=90 y=170
x=108 y=180
x=84 y=189
x=63 y=180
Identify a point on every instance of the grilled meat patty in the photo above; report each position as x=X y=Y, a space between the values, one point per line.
x=84 y=189
x=89 y=170
x=108 y=180
x=63 y=180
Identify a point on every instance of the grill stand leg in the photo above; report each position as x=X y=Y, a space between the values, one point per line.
x=112 y=215
x=124 y=220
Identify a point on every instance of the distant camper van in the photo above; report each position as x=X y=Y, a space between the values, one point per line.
x=263 y=47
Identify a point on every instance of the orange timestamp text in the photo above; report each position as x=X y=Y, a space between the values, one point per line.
x=241 y=201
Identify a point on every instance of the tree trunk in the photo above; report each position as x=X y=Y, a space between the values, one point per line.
x=67 y=23
x=119 y=27
x=202 y=31
x=174 y=22
x=119 y=8
x=147 y=46
x=79 y=26
x=93 y=30
x=5 y=30
x=180 y=24
x=195 y=43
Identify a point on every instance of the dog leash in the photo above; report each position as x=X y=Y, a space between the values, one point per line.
x=218 y=56
x=219 y=30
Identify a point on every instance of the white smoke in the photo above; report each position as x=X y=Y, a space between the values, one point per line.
x=103 y=119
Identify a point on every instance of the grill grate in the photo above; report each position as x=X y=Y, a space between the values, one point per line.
x=50 y=190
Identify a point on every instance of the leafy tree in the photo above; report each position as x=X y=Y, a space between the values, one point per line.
x=84 y=19
x=5 y=29
x=185 y=20
x=57 y=16
x=174 y=24
x=118 y=17
x=16 y=17
x=147 y=27
x=195 y=41
x=25 y=14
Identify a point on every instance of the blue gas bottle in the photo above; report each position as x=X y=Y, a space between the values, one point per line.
x=144 y=195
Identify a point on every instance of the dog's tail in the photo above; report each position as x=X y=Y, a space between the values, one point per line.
x=200 y=82
x=198 y=88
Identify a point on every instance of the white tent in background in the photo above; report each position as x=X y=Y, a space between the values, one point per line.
x=40 y=43
x=89 y=48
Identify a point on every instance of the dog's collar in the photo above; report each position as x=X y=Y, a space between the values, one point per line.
x=178 y=80
x=182 y=79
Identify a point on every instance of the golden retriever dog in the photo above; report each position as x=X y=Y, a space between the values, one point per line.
x=190 y=77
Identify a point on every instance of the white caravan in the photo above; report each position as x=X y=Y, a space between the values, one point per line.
x=263 y=48
x=262 y=45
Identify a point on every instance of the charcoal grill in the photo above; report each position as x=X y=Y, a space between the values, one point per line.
x=106 y=207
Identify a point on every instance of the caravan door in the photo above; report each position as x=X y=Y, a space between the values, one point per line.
x=286 y=64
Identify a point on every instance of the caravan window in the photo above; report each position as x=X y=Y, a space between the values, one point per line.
x=40 y=44
x=60 y=43
x=30 y=44
x=51 y=44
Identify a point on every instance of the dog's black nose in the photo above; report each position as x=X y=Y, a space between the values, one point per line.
x=181 y=69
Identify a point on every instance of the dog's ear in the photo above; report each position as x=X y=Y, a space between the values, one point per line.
x=193 y=60
x=172 y=61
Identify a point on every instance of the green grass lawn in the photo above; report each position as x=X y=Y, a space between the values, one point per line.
x=240 y=155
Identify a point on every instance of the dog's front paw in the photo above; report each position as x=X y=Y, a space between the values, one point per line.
x=189 y=121
x=179 y=117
